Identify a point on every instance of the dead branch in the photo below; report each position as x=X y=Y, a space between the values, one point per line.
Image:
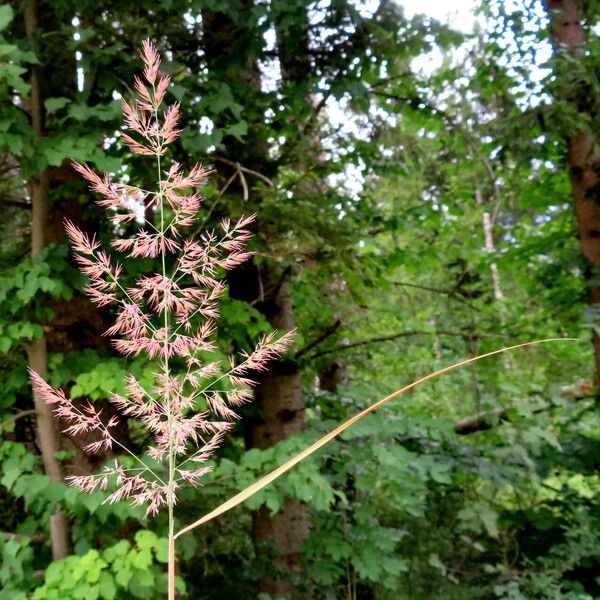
x=243 y=169
x=481 y=421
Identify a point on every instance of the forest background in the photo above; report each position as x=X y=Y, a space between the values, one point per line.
x=425 y=193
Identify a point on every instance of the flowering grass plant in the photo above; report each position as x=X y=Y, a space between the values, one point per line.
x=170 y=316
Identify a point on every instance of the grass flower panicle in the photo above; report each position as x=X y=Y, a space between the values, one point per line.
x=168 y=315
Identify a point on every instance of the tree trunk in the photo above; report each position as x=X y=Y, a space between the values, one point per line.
x=37 y=353
x=489 y=246
x=231 y=52
x=583 y=153
x=280 y=401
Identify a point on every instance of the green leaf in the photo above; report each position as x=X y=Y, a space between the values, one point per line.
x=201 y=142
x=489 y=519
x=5 y=344
x=10 y=476
x=162 y=550
x=123 y=576
x=107 y=586
x=178 y=91
x=273 y=502
x=141 y=583
x=6 y=49
x=6 y=16
x=92 y=501
x=238 y=130
x=54 y=104
x=440 y=474
x=120 y=549
x=146 y=539
x=12 y=74
x=142 y=559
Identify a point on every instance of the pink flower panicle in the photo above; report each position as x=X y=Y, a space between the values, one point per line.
x=167 y=316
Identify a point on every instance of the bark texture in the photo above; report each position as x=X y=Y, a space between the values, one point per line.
x=583 y=153
x=489 y=246
x=280 y=401
x=37 y=351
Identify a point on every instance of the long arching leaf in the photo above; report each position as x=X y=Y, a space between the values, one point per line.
x=279 y=471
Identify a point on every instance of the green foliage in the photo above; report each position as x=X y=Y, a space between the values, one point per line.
x=304 y=483
x=94 y=374
x=375 y=215
x=124 y=570
x=21 y=477
x=96 y=573
x=22 y=288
